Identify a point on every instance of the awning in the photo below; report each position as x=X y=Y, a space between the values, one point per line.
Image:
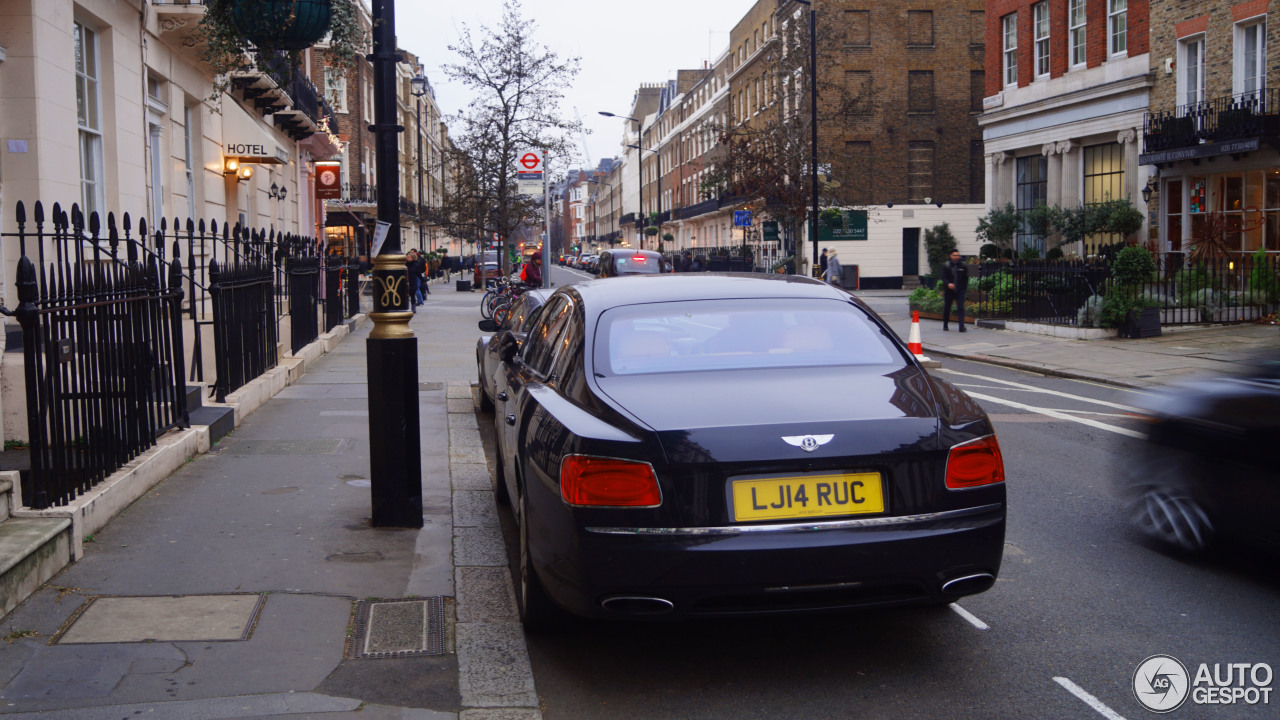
x=247 y=139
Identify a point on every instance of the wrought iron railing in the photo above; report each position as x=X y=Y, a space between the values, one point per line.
x=1237 y=288
x=304 y=294
x=1235 y=117
x=245 y=325
x=102 y=348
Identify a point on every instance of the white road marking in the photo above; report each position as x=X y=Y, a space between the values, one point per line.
x=1033 y=388
x=973 y=619
x=1088 y=699
x=1061 y=416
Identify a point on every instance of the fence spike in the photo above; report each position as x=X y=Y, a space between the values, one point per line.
x=126 y=224
x=39 y=212
x=95 y=225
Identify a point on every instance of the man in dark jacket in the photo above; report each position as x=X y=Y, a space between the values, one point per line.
x=956 y=276
x=822 y=264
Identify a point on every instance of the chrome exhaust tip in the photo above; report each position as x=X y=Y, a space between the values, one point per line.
x=968 y=584
x=637 y=605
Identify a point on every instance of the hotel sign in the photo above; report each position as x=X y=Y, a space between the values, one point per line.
x=1200 y=151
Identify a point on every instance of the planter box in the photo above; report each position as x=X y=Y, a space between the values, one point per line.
x=1142 y=323
x=938 y=316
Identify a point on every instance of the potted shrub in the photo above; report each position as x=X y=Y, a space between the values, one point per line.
x=1125 y=307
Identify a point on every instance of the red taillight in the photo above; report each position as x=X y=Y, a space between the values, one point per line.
x=608 y=482
x=640 y=258
x=974 y=463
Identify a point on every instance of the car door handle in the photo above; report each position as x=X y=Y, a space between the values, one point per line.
x=502 y=396
x=511 y=419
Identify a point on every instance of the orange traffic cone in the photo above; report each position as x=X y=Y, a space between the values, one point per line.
x=913 y=340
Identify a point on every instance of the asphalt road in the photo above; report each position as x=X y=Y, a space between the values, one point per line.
x=1082 y=600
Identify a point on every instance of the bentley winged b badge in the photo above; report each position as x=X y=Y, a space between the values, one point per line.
x=808 y=443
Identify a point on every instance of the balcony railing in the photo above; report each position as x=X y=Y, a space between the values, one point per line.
x=1236 y=117
x=357 y=194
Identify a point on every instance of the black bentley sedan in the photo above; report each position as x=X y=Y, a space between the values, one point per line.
x=697 y=445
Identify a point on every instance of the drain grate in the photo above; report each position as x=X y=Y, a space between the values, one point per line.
x=397 y=628
x=309 y=446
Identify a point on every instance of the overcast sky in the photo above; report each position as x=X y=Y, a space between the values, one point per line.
x=621 y=45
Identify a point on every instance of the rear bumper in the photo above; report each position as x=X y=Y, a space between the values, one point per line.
x=776 y=568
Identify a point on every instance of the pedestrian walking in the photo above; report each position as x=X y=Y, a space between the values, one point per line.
x=695 y=264
x=956 y=275
x=822 y=264
x=832 y=272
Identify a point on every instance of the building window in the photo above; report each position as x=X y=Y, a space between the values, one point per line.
x=1031 y=191
x=920 y=27
x=1191 y=72
x=1118 y=26
x=335 y=88
x=977 y=173
x=858 y=84
x=920 y=164
x=1103 y=181
x=1173 y=214
x=1010 y=25
x=1076 y=19
x=1250 y=76
x=1041 y=12
x=920 y=91
x=858 y=26
x=977 y=27
x=89 y=118
x=858 y=172
x=189 y=158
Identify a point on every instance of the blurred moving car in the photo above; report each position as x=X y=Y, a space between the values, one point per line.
x=736 y=444
x=520 y=317
x=613 y=263
x=1207 y=469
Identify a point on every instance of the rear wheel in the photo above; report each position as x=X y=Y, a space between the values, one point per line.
x=486 y=402
x=537 y=612
x=500 y=493
x=500 y=311
x=1169 y=509
x=486 y=305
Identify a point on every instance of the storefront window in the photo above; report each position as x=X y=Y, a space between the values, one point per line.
x=1032 y=190
x=1103 y=181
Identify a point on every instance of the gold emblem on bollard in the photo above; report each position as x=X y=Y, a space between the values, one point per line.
x=391 y=287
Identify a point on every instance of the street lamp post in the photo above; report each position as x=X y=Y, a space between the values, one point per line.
x=639 y=169
x=419 y=84
x=813 y=124
x=395 y=462
x=658 y=168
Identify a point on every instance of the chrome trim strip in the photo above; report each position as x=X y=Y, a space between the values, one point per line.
x=847 y=524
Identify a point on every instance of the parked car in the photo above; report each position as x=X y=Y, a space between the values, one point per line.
x=1207 y=469
x=616 y=262
x=729 y=444
x=588 y=263
x=521 y=316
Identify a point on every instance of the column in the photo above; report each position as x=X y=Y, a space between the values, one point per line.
x=998 y=191
x=1054 y=171
x=1071 y=178
x=1129 y=139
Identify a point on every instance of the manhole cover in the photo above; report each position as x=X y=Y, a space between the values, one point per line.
x=398 y=628
x=427 y=387
x=162 y=619
x=310 y=446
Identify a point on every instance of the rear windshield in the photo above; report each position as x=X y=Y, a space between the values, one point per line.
x=637 y=264
x=739 y=334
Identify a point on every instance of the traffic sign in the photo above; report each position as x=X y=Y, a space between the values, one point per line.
x=741 y=218
x=530 y=161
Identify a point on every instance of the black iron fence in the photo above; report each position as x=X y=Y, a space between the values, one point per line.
x=102 y=347
x=1237 y=288
x=1235 y=117
x=334 y=300
x=104 y=318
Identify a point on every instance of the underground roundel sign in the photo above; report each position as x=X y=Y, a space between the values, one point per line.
x=530 y=161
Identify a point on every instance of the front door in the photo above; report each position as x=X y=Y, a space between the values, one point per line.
x=910 y=251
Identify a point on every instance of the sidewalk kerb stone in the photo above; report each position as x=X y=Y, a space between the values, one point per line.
x=479 y=546
x=474 y=508
x=470 y=476
x=493 y=666
x=485 y=594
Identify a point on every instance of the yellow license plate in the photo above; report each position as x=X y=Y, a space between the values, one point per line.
x=807 y=497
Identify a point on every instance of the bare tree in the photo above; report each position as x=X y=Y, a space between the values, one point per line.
x=765 y=160
x=518 y=85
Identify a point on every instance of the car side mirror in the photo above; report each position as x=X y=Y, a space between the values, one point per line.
x=508 y=346
x=488 y=326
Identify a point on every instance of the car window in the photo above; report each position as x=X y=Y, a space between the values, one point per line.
x=739 y=334
x=637 y=263
x=528 y=322
x=543 y=340
x=515 y=319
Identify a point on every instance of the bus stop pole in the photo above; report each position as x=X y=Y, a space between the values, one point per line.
x=546 y=212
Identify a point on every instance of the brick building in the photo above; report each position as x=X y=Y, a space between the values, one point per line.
x=1210 y=133
x=1066 y=87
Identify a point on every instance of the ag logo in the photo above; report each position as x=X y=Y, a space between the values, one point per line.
x=1161 y=683
x=808 y=443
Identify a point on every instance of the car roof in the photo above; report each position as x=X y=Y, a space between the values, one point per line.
x=599 y=295
x=630 y=251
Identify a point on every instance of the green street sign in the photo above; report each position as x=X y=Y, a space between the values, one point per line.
x=769 y=231
x=853 y=226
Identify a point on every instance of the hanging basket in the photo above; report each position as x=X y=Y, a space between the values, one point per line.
x=282 y=24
